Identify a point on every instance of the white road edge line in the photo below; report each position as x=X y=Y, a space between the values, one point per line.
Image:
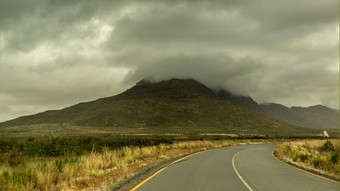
x=238 y=174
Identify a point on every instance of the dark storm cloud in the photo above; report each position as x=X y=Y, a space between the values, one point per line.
x=54 y=53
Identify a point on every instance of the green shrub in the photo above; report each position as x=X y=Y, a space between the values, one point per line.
x=304 y=157
x=328 y=146
x=320 y=162
x=48 y=146
x=317 y=162
x=335 y=158
x=287 y=150
x=295 y=158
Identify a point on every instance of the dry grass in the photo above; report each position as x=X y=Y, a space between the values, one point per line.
x=320 y=156
x=108 y=167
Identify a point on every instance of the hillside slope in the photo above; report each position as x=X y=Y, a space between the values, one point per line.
x=284 y=113
x=319 y=116
x=168 y=106
x=316 y=117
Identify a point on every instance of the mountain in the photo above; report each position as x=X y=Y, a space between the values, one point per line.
x=286 y=114
x=168 y=106
x=316 y=117
x=319 y=116
x=245 y=102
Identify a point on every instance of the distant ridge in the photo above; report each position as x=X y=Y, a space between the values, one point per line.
x=284 y=113
x=319 y=115
x=316 y=117
x=242 y=101
x=174 y=105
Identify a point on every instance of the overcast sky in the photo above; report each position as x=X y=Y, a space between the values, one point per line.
x=56 y=53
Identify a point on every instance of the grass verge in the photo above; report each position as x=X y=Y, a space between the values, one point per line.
x=317 y=156
x=99 y=170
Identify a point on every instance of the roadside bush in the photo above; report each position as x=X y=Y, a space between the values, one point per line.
x=335 y=158
x=328 y=146
x=49 y=146
x=304 y=157
x=317 y=162
x=287 y=151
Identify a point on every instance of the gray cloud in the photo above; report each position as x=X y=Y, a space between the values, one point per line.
x=57 y=53
x=215 y=70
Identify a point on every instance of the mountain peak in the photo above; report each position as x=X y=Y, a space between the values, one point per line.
x=142 y=82
x=173 y=81
x=173 y=88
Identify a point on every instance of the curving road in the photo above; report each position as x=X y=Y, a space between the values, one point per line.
x=244 y=168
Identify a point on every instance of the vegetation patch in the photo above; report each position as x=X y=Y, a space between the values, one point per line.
x=76 y=163
x=319 y=156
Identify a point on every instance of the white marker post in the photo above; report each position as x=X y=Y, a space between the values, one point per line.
x=325 y=134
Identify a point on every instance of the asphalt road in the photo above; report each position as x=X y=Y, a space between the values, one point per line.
x=244 y=168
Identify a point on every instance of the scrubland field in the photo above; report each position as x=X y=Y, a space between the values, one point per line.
x=105 y=161
x=75 y=163
x=319 y=156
